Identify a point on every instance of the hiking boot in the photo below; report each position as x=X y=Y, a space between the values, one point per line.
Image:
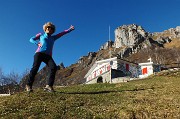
x=49 y=88
x=29 y=88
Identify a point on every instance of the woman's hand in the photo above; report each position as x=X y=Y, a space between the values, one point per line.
x=71 y=27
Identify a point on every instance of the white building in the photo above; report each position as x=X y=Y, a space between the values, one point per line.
x=115 y=70
x=146 y=69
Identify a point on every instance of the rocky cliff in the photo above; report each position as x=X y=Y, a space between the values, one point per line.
x=132 y=38
x=129 y=35
x=173 y=34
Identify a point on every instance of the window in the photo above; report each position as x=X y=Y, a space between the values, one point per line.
x=144 y=70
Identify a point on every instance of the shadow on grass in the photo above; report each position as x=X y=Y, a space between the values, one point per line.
x=105 y=92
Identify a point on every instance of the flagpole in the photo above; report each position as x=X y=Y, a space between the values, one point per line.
x=109 y=33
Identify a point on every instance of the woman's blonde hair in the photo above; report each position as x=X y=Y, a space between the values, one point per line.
x=49 y=24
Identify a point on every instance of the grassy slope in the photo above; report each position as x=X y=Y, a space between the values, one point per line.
x=155 y=97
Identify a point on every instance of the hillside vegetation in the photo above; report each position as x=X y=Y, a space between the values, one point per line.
x=155 y=97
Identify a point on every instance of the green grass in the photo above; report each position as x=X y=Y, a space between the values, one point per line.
x=155 y=97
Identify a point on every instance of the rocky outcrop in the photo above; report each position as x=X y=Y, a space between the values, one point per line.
x=163 y=40
x=171 y=33
x=107 y=45
x=129 y=35
x=132 y=38
x=60 y=66
x=85 y=61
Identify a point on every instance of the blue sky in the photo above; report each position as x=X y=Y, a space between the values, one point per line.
x=22 y=19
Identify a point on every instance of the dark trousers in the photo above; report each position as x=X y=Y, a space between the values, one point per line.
x=38 y=58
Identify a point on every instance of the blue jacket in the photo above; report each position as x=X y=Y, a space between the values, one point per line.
x=47 y=41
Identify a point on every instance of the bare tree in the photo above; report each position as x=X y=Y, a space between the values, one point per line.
x=13 y=78
x=177 y=55
x=25 y=73
x=9 y=82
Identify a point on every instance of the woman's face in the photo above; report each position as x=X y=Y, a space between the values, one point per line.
x=49 y=30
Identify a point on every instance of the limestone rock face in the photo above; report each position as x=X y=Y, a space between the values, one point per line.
x=129 y=35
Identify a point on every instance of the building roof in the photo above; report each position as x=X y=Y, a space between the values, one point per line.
x=145 y=64
x=99 y=62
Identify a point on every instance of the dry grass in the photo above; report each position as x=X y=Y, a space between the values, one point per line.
x=155 y=97
x=174 y=44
